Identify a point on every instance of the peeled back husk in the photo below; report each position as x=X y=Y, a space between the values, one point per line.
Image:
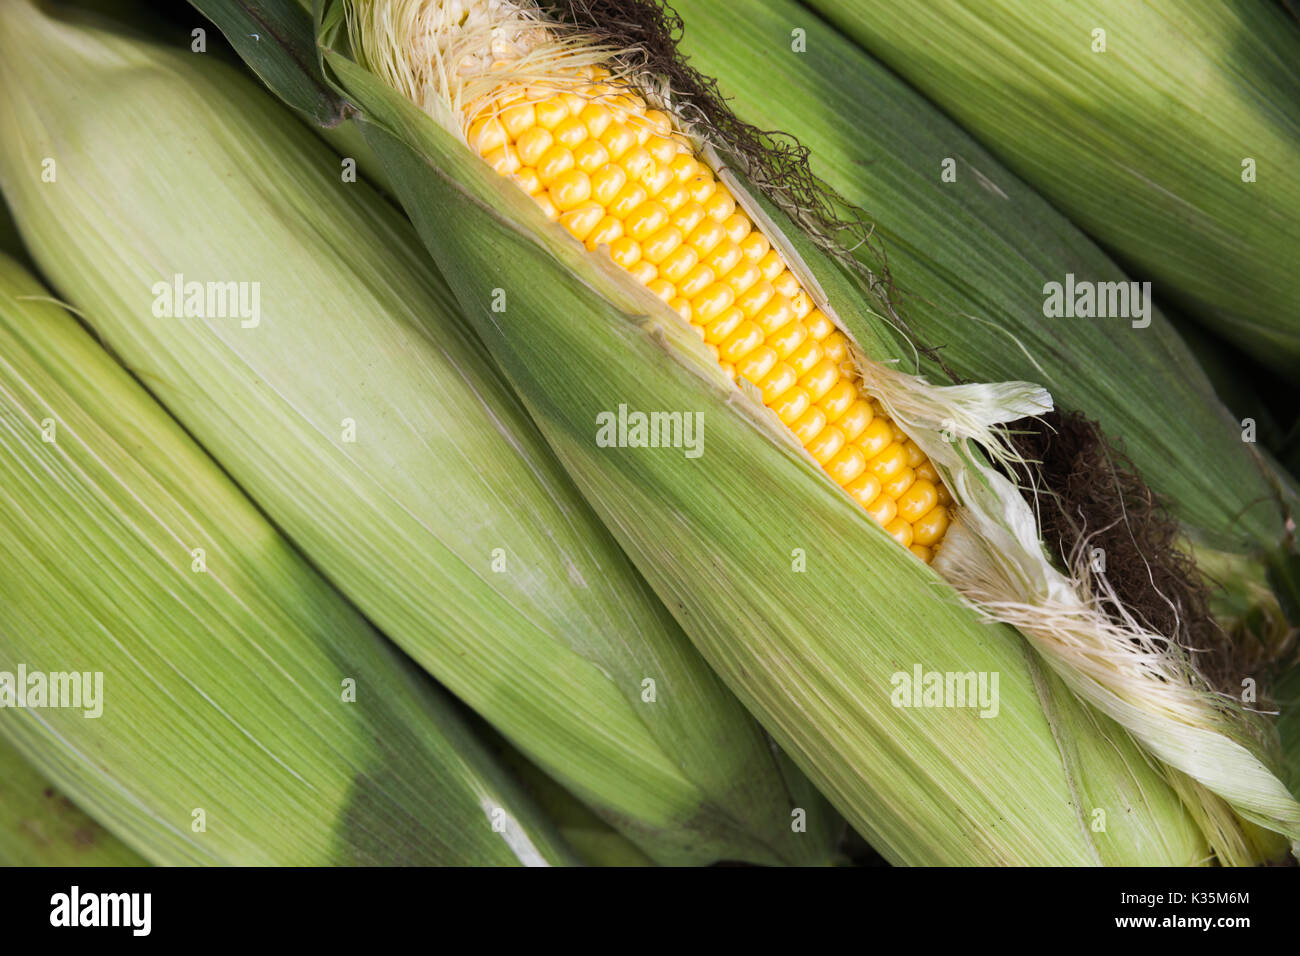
x=243 y=712
x=363 y=417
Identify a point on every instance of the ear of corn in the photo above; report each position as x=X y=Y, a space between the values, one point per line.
x=225 y=732
x=446 y=520
x=41 y=827
x=812 y=653
x=971 y=258
x=1190 y=115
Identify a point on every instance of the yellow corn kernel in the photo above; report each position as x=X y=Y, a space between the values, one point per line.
x=606 y=184
x=856 y=420
x=720 y=205
x=809 y=425
x=696 y=281
x=787 y=339
x=753 y=299
x=900 y=531
x=883 y=509
x=721 y=328
x=741 y=342
x=791 y=405
x=865 y=488
x=931 y=526
x=829 y=441
x=618 y=139
x=661 y=245
x=738 y=226
x=662 y=288
x=644 y=272
x=724 y=257
x=819 y=326
x=625 y=251
x=755 y=246
x=889 y=462
x=571 y=189
x=755 y=366
x=917 y=501
x=876 y=437
x=899 y=484
x=581 y=221
x=780 y=380
x=591 y=156
x=847 y=464
x=629 y=198
x=689 y=215
x=786 y=283
x=682 y=260
x=713 y=300
x=805 y=357
x=554 y=163
x=517 y=119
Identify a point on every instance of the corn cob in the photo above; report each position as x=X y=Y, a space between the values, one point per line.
x=456 y=532
x=1168 y=130
x=224 y=733
x=41 y=827
x=620 y=176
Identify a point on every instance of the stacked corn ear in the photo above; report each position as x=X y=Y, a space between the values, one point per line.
x=794 y=592
x=173 y=666
x=1168 y=129
x=360 y=414
x=971 y=252
x=41 y=827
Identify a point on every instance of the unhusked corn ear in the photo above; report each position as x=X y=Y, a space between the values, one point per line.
x=607 y=160
x=1157 y=146
x=230 y=706
x=388 y=447
x=41 y=827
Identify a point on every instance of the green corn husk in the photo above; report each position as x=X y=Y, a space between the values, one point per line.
x=812 y=653
x=41 y=827
x=971 y=258
x=1144 y=144
x=224 y=734
x=447 y=482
